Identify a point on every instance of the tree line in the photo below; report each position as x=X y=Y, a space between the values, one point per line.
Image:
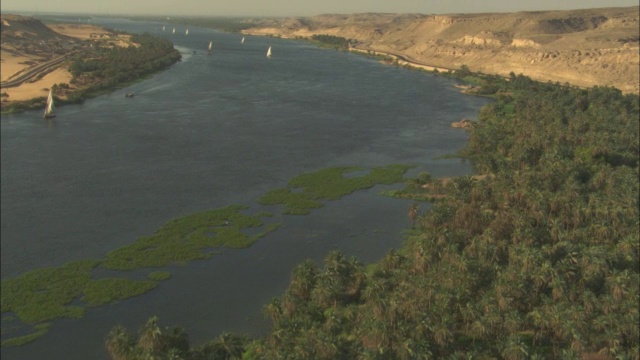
x=337 y=42
x=109 y=66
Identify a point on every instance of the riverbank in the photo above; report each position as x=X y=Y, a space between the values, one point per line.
x=17 y=61
x=401 y=60
x=584 y=47
x=70 y=59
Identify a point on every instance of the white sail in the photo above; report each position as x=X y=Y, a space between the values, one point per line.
x=174 y=31
x=162 y=27
x=210 y=45
x=269 y=52
x=186 y=32
x=48 y=111
x=242 y=41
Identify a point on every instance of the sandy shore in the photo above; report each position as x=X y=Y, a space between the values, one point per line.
x=401 y=61
x=14 y=62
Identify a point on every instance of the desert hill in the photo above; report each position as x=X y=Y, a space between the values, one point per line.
x=582 y=47
x=30 y=38
x=15 y=27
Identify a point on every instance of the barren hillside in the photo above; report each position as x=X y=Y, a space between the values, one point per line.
x=581 y=47
x=26 y=36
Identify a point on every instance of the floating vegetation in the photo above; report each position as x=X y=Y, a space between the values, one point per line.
x=188 y=238
x=104 y=291
x=40 y=330
x=304 y=192
x=46 y=294
x=42 y=295
x=159 y=275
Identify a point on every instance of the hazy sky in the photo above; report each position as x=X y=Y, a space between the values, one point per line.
x=296 y=7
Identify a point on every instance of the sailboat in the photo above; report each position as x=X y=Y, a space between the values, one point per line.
x=174 y=31
x=269 y=52
x=186 y=32
x=210 y=47
x=242 y=41
x=162 y=27
x=48 y=111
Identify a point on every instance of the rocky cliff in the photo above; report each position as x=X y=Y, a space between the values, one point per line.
x=580 y=47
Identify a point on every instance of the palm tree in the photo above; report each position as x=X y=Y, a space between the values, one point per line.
x=514 y=349
x=120 y=343
x=177 y=342
x=274 y=311
x=225 y=347
x=303 y=280
x=151 y=338
x=327 y=291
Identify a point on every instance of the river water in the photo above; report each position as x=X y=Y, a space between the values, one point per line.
x=213 y=131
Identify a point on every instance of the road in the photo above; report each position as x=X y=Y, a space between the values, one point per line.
x=37 y=71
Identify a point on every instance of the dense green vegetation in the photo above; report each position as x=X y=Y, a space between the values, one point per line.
x=105 y=67
x=159 y=275
x=104 y=291
x=42 y=295
x=336 y=42
x=109 y=67
x=539 y=259
x=189 y=238
x=304 y=192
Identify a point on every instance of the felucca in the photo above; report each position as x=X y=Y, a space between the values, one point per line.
x=269 y=52
x=48 y=110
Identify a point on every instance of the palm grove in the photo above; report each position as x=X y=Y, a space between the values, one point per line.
x=539 y=259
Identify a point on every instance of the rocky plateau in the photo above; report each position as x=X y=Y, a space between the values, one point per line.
x=581 y=47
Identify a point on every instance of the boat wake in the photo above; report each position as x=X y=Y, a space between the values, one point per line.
x=185 y=52
x=155 y=89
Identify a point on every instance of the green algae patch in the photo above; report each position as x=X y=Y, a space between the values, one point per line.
x=42 y=295
x=188 y=238
x=159 y=275
x=40 y=330
x=306 y=191
x=45 y=294
x=296 y=203
x=104 y=291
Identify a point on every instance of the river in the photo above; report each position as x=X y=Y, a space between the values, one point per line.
x=213 y=131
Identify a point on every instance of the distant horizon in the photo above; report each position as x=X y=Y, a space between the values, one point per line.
x=287 y=8
x=69 y=13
